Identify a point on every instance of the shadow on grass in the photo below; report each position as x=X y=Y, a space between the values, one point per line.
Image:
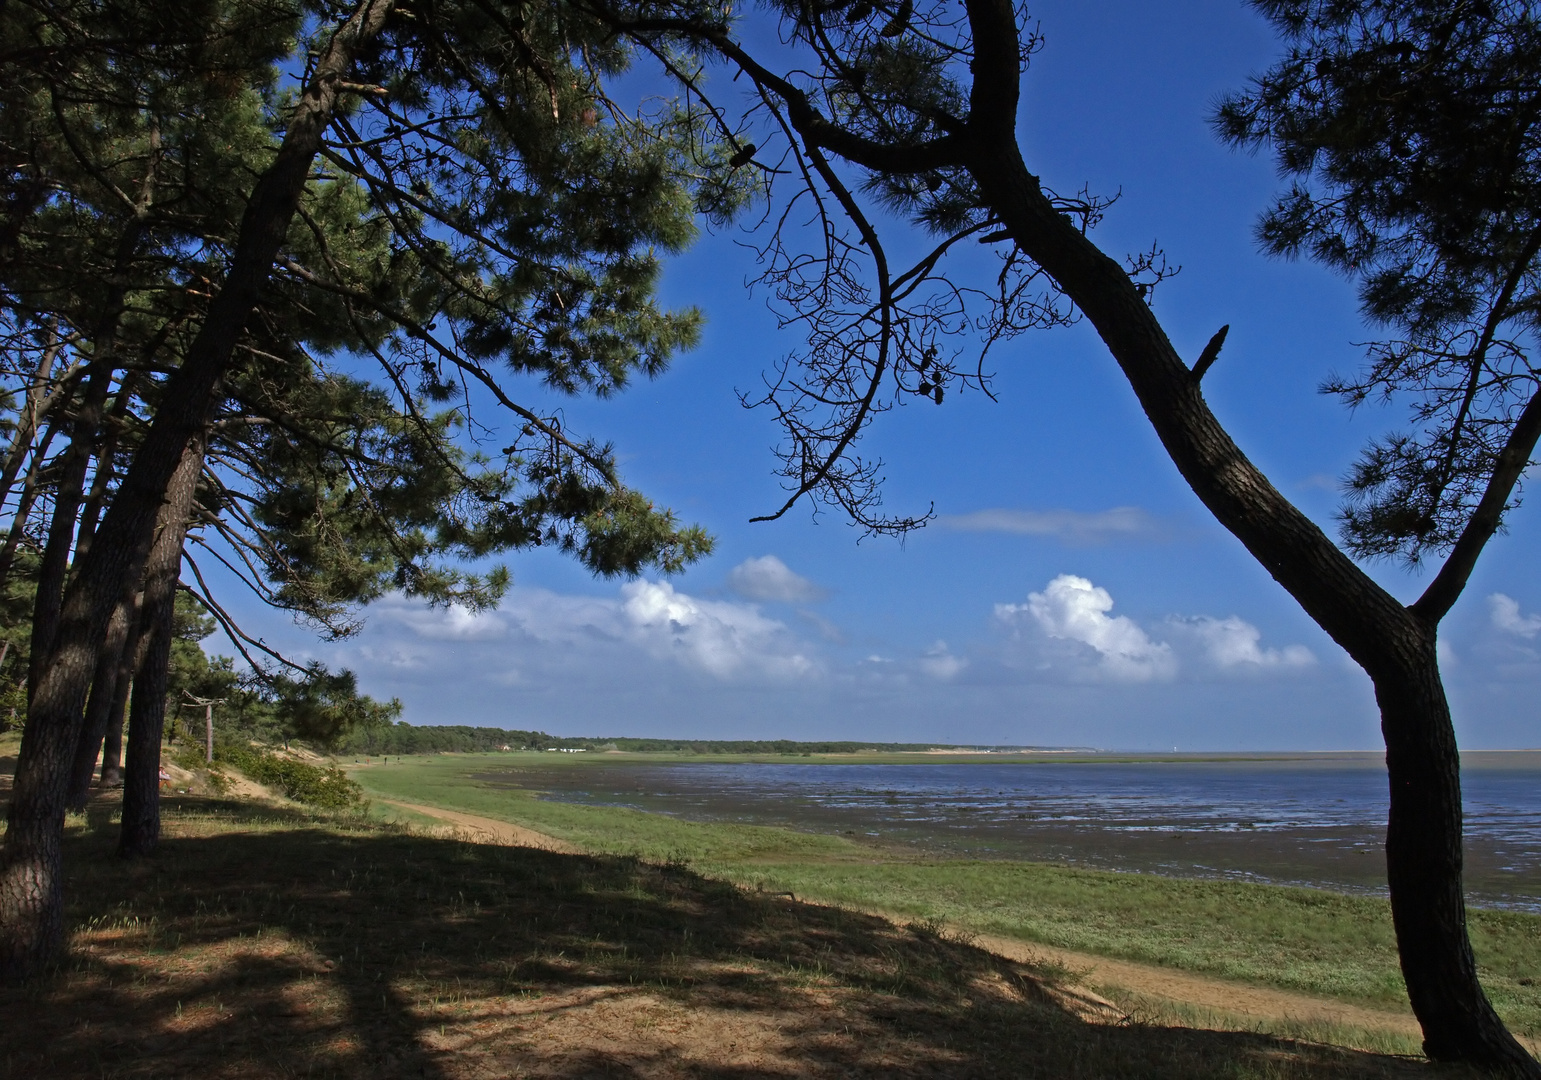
x=269 y=945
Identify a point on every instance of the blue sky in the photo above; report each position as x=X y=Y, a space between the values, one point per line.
x=1072 y=591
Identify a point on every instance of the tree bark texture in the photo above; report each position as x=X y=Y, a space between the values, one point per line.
x=68 y=494
x=31 y=903
x=1394 y=645
x=1424 y=866
x=128 y=663
x=140 y=831
x=112 y=431
x=99 y=705
x=31 y=892
x=112 y=742
x=141 y=825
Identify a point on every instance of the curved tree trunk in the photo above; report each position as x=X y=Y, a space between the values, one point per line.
x=69 y=493
x=31 y=891
x=1424 y=867
x=30 y=489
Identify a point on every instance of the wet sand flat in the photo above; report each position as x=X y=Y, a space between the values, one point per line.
x=1298 y=819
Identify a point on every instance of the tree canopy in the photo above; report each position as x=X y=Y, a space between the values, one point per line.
x=1410 y=130
x=282 y=274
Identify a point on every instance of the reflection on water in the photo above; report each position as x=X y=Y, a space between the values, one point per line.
x=1311 y=823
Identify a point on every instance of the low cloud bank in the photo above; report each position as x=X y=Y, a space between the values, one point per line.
x=1075 y=528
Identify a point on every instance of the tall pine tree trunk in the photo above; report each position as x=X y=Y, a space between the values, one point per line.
x=123 y=685
x=99 y=705
x=141 y=826
x=54 y=567
x=112 y=742
x=31 y=893
x=31 y=899
x=140 y=831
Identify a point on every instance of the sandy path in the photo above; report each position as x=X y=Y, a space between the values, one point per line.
x=1233 y=1000
x=502 y=832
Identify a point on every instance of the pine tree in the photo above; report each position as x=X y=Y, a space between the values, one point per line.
x=447 y=197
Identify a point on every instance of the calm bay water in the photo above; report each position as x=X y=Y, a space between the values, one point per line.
x=1317 y=821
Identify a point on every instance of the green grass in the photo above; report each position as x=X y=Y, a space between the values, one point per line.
x=1163 y=1012
x=1305 y=940
x=445 y=782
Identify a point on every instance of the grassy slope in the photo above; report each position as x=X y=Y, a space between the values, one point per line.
x=1297 y=939
x=263 y=942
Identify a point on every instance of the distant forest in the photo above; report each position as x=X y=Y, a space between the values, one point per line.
x=405 y=738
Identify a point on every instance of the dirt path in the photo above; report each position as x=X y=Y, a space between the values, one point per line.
x=1229 y=1000
x=502 y=832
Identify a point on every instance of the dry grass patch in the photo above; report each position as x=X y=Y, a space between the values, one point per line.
x=266 y=943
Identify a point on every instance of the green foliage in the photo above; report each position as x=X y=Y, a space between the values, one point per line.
x=322 y=708
x=404 y=738
x=16 y=597
x=483 y=211
x=192 y=672
x=317 y=706
x=325 y=789
x=1411 y=130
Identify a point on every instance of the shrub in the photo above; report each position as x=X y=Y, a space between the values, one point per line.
x=326 y=789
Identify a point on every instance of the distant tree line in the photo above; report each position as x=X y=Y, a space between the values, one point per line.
x=404 y=738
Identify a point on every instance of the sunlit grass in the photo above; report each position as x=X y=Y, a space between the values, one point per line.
x=1304 y=940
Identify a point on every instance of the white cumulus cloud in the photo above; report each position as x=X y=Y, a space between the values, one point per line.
x=453 y=623
x=768 y=578
x=1505 y=611
x=1073 y=527
x=1234 y=643
x=722 y=639
x=939 y=662
x=1071 y=608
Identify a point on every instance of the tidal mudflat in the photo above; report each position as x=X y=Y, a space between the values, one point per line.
x=1299 y=819
x=1332 y=943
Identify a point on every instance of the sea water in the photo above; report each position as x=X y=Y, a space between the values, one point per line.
x=1312 y=821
